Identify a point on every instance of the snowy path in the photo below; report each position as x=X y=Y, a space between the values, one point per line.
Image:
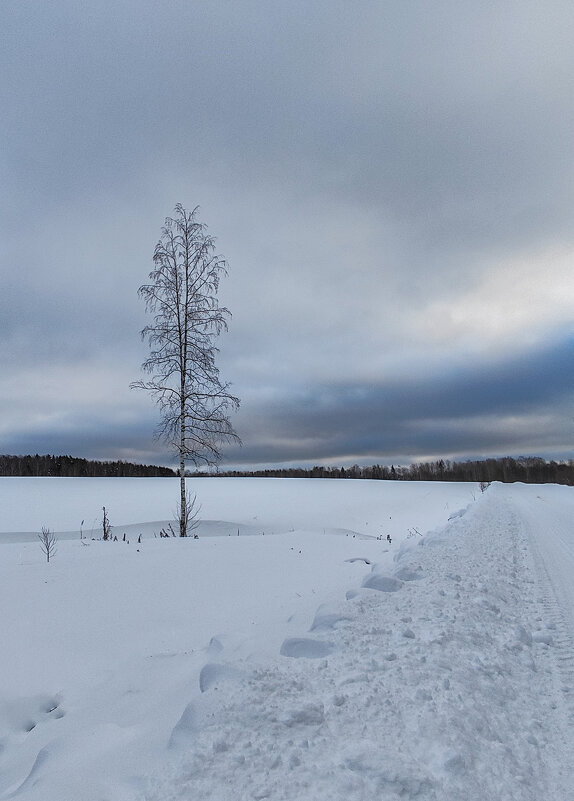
x=447 y=683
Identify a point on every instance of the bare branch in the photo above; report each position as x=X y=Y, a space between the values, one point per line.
x=189 y=514
x=48 y=542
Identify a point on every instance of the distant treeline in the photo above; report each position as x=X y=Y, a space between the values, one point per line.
x=528 y=469
x=72 y=466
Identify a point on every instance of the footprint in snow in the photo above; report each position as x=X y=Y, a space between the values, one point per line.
x=25 y=714
x=305 y=647
x=407 y=573
x=213 y=674
x=325 y=619
x=376 y=581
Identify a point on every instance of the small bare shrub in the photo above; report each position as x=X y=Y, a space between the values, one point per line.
x=48 y=542
x=107 y=529
x=188 y=517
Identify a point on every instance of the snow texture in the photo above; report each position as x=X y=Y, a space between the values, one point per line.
x=303 y=665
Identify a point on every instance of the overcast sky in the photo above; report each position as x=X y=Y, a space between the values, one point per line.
x=391 y=184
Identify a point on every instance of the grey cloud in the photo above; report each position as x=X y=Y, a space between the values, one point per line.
x=357 y=161
x=92 y=435
x=260 y=84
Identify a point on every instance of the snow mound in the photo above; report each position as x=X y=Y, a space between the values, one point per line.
x=186 y=727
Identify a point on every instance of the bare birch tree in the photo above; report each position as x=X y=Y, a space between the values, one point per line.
x=184 y=380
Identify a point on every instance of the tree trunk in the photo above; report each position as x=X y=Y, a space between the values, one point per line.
x=182 y=499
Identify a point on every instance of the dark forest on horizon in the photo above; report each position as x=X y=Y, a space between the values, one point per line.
x=72 y=466
x=528 y=469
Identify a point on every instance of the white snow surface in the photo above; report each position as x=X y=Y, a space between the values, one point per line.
x=290 y=652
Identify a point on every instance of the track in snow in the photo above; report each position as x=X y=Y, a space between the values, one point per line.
x=549 y=528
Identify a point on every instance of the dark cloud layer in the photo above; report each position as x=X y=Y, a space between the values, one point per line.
x=391 y=183
x=489 y=409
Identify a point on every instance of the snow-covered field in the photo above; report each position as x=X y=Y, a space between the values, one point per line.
x=290 y=652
